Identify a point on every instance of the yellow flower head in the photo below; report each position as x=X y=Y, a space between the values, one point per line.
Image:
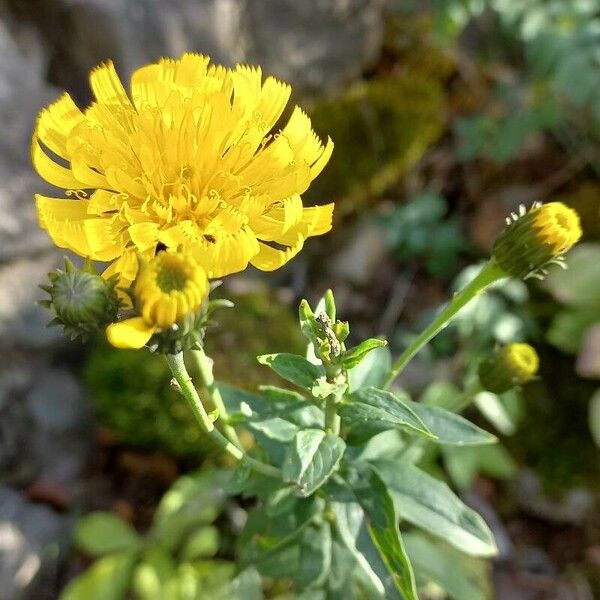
x=510 y=366
x=169 y=287
x=189 y=158
x=558 y=225
x=535 y=238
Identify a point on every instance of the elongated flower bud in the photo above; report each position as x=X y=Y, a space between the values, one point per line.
x=82 y=300
x=509 y=367
x=535 y=238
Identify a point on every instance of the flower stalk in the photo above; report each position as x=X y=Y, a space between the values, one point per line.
x=332 y=419
x=204 y=366
x=182 y=377
x=490 y=273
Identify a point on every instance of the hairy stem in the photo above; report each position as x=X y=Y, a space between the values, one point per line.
x=179 y=370
x=204 y=364
x=490 y=273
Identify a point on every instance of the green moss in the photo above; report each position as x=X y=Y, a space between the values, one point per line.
x=380 y=128
x=258 y=324
x=131 y=394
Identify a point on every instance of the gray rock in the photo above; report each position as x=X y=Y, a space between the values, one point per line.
x=20 y=234
x=62 y=419
x=33 y=539
x=22 y=93
x=22 y=320
x=45 y=424
x=364 y=251
x=317 y=45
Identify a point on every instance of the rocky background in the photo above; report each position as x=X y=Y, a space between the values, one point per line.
x=50 y=45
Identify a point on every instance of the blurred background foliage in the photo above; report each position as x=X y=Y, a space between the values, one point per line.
x=469 y=108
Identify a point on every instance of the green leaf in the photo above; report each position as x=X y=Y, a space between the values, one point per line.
x=153 y=573
x=372 y=404
x=107 y=579
x=374 y=498
x=579 y=285
x=102 y=533
x=275 y=429
x=449 y=428
x=568 y=328
x=194 y=499
x=463 y=578
x=441 y=393
x=349 y=517
x=355 y=355
x=265 y=535
x=323 y=388
x=372 y=371
x=315 y=556
x=430 y=504
x=327 y=305
x=246 y=586
x=294 y=368
x=203 y=543
x=463 y=464
x=311 y=458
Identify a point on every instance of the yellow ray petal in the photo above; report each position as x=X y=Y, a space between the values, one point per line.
x=90 y=178
x=144 y=235
x=103 y=238
x=51 y=171
x=323 y=159
x=107 y=86
x=59 y=209
x=126 y=267
x=56 y=122
x=318 y=218
x=131 y=333
x=270 y=259
x=226 y=254
x=102 y=201
x=273 y=98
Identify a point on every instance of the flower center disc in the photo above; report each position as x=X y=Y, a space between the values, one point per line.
x=171 y=278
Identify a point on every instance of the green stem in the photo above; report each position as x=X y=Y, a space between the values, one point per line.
x=204 y=364
x=179 y=370
x=466 y=398
x=490 y=273
x=332 y=419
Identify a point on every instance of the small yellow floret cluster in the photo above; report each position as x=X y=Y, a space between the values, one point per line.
x=169 y=287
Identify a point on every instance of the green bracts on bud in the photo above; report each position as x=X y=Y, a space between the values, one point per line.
x=536 y=238
x=510 y=366
x=83 y=301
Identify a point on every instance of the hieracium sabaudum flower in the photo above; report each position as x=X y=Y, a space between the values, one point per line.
x=190 y=158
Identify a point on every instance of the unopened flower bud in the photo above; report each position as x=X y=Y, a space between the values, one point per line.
x=535 y=238
x=509 y=367
x=82 y=300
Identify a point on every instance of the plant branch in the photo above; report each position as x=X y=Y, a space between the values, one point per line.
x=179 y=370
x=204 y=365
x=490 y=273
